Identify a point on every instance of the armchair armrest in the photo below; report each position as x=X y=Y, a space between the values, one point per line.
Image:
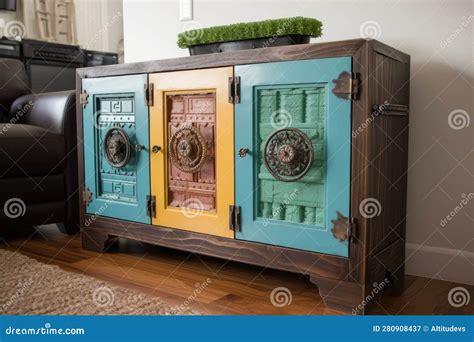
x=55 y=111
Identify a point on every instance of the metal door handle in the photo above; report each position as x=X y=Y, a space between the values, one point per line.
x=139 y=147
x=243 y=152
x=155 y=149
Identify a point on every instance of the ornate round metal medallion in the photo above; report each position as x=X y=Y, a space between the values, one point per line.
x=187 y=149
x=117 y=149
x=288 y=154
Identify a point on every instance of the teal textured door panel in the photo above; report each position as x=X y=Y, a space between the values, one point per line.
x=293 y=185
x=116 y=147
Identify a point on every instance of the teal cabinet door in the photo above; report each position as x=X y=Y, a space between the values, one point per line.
x=292 y=155
x=116 y=147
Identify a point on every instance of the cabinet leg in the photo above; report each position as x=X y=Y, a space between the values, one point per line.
x=340 y=295
x=96 y=241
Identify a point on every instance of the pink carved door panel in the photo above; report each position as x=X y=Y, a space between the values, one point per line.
x=191 y=132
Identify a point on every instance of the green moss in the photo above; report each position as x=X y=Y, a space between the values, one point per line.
x=258 y=29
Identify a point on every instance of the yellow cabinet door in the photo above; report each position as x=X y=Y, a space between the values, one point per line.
x=192 y=159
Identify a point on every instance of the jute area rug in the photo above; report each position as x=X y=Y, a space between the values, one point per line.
x=29 y=287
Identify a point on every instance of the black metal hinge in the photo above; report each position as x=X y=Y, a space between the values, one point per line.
x=343 y=228
x=352 y=229
x=234 y=218
x=234 y=89
x=346 y=86
x=87 y=196
x=149 y=94
x=84 y=98
x=150 y=205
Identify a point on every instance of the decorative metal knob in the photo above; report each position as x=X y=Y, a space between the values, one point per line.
x=288 y=154
x=139 y=147
x=156 y=149
x=188 y=149
x=117 y=148
x=184 y=148
x=243 y=152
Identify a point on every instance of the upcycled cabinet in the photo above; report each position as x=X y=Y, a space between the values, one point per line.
x=274 y=157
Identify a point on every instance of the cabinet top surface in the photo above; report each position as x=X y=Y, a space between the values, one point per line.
x=273 y=54
x=264 y=55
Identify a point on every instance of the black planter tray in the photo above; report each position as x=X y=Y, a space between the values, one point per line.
x=249 y=44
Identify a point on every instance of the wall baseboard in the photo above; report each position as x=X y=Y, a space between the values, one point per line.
x=440 y=263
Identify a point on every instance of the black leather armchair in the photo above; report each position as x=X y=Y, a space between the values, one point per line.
x=38 y=158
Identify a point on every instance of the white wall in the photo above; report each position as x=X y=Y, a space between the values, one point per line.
x=441 y=159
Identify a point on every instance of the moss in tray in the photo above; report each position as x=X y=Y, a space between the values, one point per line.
x=243 y=31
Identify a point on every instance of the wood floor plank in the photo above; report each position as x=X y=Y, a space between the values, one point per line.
x=230 y=288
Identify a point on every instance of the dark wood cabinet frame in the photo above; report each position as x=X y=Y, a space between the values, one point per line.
x=378 y=170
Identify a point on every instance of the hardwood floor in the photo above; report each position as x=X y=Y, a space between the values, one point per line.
x=231 y=288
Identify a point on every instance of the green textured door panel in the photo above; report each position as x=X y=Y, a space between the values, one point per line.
x=294 y=182
x=307 y=104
